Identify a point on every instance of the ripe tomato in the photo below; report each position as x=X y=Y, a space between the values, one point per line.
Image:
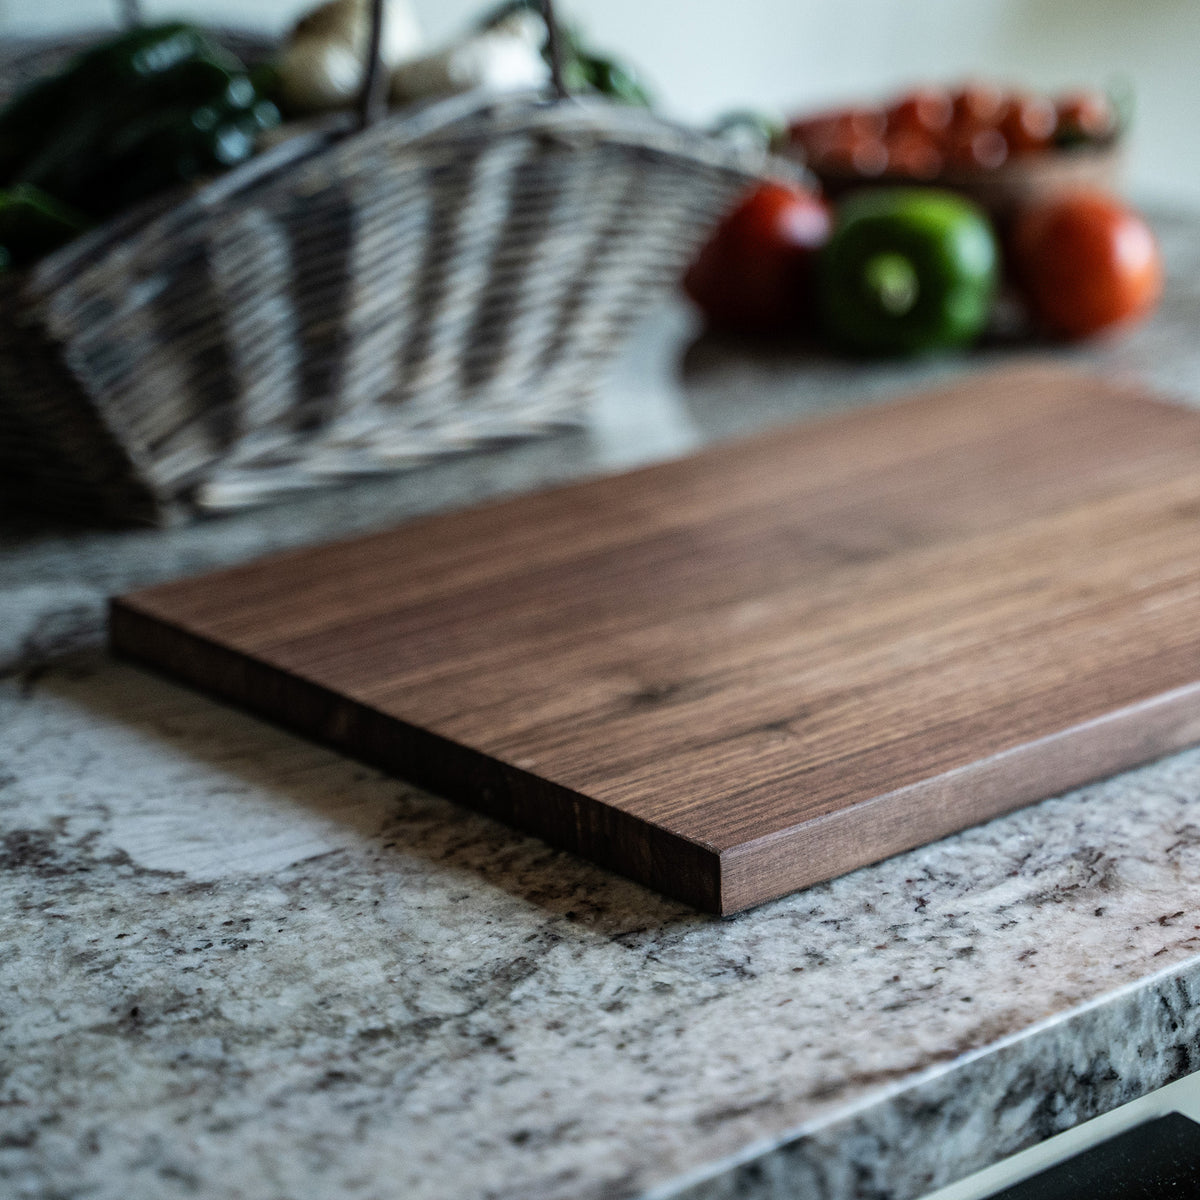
x=979 y=106
x=755 y=275
x=1029 y=124
x=818 y=131
x=1085 y=262
x=863 y=156
x=1085 y=116
x=913 y=156
x=926 y=112
x=977 y=149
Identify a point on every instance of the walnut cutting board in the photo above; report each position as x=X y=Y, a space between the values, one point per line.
x=737 y=674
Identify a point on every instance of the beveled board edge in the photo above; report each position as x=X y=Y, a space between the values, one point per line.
x=892 y=822
x=720 y=882
x=666 y=862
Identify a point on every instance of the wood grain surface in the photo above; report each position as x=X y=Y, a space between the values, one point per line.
x=737 y=674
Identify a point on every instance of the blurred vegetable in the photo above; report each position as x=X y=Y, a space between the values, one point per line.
x=927 y=131
x=138 y=113
x=837 y=132
x=751 y=127
x=319 y=75
x=323 y=63
x=349 y=21
x=1028 y=124
x=756 y=273
x=978 y=106
x=1085 y=263
x=114 y=155
x=912 y=156
x=908 y=271
x=198 y=120
x=925 y=112
x=979 y=148
x=1085 y=116
x=142 y=66
x=584 y=69
x=171 y=147
x=505 y=57
x=32 y=224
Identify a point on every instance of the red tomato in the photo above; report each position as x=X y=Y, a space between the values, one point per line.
x=979 y=106
x=924 y=112
x=1085 y=262
x=755 y=275
x=1028 y=124
x=913 y=156
x=976 y=149
x=822 y=131
x=1085 y=116
x=853 y=154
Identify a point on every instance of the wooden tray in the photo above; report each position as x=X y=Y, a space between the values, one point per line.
x=744 y=672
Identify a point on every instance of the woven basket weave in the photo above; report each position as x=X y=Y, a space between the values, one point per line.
x=349 y=302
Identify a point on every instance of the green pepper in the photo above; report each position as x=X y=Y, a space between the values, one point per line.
x=586 y=71
x=265 y=78
x=614 y=79
x=146 y=111
x=104 y=77
x=174 y=146
x=908 y=271
x=204 y=122
x=84 y=142
x=33 y=224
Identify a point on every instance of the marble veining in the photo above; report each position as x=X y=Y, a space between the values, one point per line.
x=238 y=965
x=238 y=961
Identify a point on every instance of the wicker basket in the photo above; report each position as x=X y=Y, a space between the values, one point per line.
x=352 y=300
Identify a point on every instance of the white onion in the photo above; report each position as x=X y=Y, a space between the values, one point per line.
x=323 y=65
x=497 y=61
x=316 y=75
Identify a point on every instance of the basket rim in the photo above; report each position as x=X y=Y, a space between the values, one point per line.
x=427 y=123
x=437 y=123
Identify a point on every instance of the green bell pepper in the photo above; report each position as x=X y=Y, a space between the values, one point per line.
x=104 y=77
x=33 y=224
x=584 y=72
x=138 y=114
x=209 y=122
x=908 y=271
x=176 y=145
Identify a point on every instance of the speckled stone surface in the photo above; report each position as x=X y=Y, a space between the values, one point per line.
x=239 y=965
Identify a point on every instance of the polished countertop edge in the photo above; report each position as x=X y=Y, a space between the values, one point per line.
x=911 y=1138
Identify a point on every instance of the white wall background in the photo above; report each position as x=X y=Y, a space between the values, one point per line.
x=706 y=55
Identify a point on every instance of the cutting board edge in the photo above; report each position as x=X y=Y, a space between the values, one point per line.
x=813 y=851
x=666 y=862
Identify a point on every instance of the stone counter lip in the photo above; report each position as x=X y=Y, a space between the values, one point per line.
x=239 y=964
x=914 y=1125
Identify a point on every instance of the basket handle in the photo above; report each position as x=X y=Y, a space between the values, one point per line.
x=372 y=98
x=556 y=62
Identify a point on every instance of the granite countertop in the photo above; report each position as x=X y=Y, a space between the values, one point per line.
x=239 y=965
